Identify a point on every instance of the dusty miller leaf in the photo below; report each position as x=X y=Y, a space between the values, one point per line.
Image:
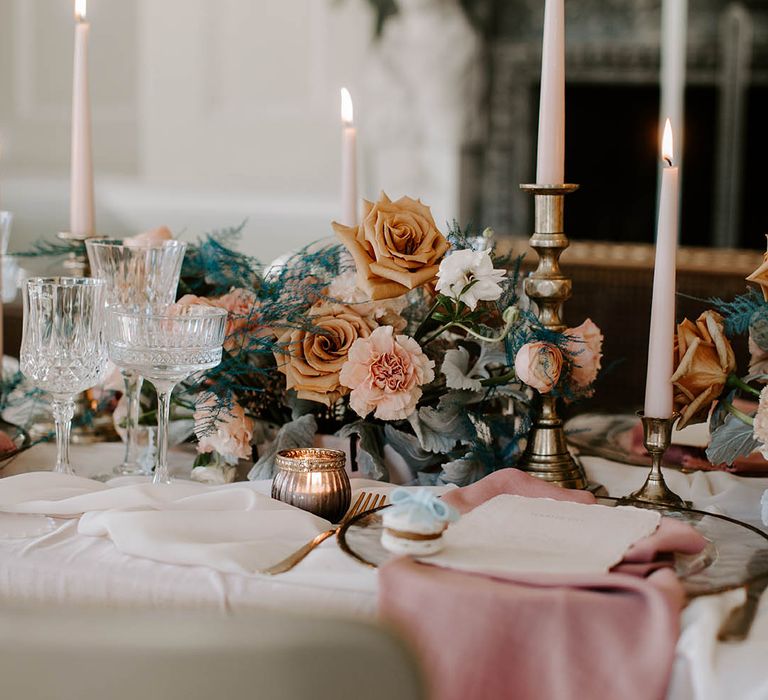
x=408 y=447
x=459 y=374
x=440 y=428
x=297 y=433
x=370 y=449
x=463 y=471
x=731 y=440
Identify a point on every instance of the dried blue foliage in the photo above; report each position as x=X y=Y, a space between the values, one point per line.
x=739 y=312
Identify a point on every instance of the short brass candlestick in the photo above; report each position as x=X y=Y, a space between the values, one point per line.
x=76 y=264
x=657 y=436
x=546 y=455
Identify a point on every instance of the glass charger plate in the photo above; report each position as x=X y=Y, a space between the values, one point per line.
x=607 y=436
x=737 y=553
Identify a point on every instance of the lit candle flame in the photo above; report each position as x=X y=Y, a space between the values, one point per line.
x=667 y=151
x=80 y=10
x=347 y=113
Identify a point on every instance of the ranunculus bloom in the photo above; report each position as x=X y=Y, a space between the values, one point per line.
x=465 y=267
x=149 y=238
x=227 y=431
x=385 y=312
x=385 y=373
x=243 y=320
x=539 y=365
x=397 y=247
x=311 y=359
x=760 y=428
x=585 y=347
x=704 y=359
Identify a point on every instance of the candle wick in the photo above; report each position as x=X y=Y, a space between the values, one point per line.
x=668 y=161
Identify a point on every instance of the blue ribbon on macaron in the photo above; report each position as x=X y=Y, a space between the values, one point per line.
x=425 y=502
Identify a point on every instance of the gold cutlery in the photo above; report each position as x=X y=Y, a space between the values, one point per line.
x=364 y=502
x=738 y=624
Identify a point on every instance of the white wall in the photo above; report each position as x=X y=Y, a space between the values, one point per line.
x=205 y=113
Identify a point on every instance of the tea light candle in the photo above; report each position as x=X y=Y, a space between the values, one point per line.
x=313 y=479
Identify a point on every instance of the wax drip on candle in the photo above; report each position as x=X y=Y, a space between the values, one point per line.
x=80 y=10
x=667 y=144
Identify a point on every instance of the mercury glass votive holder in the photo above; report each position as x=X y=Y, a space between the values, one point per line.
x=313 y=479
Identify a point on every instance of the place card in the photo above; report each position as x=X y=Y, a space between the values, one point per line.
x=518 y=535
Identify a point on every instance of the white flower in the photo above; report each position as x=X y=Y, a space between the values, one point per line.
x=760 y=429
x=385 y=312
x=215 y=476
x=470 y=267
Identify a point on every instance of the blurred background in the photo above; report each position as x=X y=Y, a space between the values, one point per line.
x=206 y=114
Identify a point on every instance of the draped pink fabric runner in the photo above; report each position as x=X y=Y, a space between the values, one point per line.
x=541 y=638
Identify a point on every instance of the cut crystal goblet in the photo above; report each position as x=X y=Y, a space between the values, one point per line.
x=63 y=350
x=140 y=277
x=165 y=348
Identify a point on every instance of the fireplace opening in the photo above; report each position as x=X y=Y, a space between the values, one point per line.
x=612 y=152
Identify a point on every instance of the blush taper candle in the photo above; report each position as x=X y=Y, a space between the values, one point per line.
x=550 y=159
x=81 y=209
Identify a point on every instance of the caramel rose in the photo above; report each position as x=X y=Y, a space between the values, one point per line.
x=704 y=359
x=311 y=359
x=397 y=247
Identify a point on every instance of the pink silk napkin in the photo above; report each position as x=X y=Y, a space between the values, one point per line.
x=540 y=637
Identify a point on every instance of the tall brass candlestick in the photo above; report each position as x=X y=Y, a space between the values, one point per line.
x=546 y=455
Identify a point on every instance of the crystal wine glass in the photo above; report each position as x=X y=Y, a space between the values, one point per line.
x=165 y=348
x=63 y=350
x=140 y=277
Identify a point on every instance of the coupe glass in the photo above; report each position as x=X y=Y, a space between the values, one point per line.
x=165 y=348
x=139 y=278
x=63 y=350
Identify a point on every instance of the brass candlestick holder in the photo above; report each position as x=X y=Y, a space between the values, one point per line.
x=76 y=264
x=657 y=436
x=546 y=454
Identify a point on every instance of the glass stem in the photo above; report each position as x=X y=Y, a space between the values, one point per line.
x=133 y=384
x=164 y=391
x=63 y=410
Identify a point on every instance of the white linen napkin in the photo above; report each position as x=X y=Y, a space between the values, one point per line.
x=519 y=535
x=231 y=528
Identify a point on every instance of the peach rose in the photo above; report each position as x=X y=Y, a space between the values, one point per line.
x=149 y=238
x=227 y=432
x=243 y=320
x=704 y=359
x=385 y=373
x=312 y=359
x=585 y=347
x=539 y=365
x=397 y=247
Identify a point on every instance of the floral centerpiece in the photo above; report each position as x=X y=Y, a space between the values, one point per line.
x=395 y=335
x=709 y=387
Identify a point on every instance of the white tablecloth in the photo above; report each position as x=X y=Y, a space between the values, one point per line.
x=64 y=567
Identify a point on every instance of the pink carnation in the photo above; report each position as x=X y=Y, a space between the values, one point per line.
x=231 y=432
x=586 y=350
x=386 y=373
x=243 y=319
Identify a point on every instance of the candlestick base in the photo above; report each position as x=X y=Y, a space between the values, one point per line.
x=546 y=455
x=76 y=263
x=657 y=436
